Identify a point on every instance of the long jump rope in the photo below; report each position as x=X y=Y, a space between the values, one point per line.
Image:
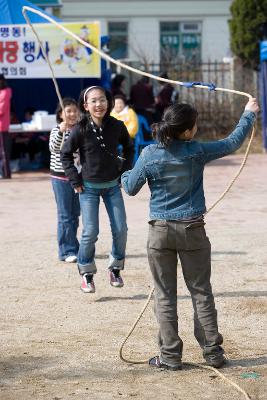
x=200 y=85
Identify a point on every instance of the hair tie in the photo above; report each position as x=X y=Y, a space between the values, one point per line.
x=87 y=90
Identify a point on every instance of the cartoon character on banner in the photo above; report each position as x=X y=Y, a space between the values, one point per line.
x=71 y=53
x=82 y=50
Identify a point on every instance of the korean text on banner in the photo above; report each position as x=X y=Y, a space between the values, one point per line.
x=22 y=57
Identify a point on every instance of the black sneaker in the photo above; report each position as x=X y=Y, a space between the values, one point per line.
x=216 y=359
x=155 y=362
x=115 y=278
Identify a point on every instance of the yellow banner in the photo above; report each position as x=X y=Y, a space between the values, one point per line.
x=22 y=57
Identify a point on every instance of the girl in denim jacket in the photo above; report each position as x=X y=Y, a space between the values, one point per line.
x=173 y=169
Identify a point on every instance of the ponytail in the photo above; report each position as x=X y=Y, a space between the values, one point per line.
x=176 y=119
x=161 y=132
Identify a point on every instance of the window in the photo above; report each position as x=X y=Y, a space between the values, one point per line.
x=118 y=45
x=190 y=26
x=180 y=41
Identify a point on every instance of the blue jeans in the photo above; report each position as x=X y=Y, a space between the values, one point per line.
x=89 y=201
x=68 y=211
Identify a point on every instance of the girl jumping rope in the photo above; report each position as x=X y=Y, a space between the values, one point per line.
x=97 y=137
x=68 y=207
x=174 y=169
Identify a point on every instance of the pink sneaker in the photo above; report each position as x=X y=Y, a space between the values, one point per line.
x=115 y=278
x=88 y=285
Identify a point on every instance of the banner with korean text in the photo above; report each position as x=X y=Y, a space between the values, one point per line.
x=22 y=57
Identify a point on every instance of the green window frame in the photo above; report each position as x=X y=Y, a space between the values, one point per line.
x=180 y=40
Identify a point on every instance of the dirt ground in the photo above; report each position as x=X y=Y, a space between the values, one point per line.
x=59 y=343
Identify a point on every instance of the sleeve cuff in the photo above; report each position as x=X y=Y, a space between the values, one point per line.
x=250 y=114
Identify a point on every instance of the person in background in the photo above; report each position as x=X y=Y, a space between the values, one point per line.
x=125 y=114
x=174 y=170
x=68 y=207
x=142 y=99
x=164 y=97
x=28 y=113
x=5 y=139
x=117 y=86
x=97 y=136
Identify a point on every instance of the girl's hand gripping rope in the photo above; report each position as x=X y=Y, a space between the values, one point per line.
x=63 y=126
x=252 y=105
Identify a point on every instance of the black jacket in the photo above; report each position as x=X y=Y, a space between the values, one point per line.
x=98 y=164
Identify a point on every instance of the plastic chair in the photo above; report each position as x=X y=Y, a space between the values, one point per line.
x=139 y=140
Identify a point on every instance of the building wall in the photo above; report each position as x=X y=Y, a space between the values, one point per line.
x=144 y=39
x=144 y=18
x=215 y=38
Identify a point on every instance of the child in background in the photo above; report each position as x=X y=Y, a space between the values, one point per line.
x=97 y=136
x=174 y=169
x=68 y=207
x=125 y=114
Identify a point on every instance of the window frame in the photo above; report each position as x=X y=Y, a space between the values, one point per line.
x=181 y=31
x=118 y=34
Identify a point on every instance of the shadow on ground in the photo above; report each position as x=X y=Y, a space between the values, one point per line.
x=244 y=293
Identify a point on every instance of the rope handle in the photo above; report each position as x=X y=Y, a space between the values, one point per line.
x=210 y=86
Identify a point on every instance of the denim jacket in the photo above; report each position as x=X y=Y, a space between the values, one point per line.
x=175 y=173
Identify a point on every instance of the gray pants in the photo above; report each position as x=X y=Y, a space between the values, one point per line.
x=167 y=240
